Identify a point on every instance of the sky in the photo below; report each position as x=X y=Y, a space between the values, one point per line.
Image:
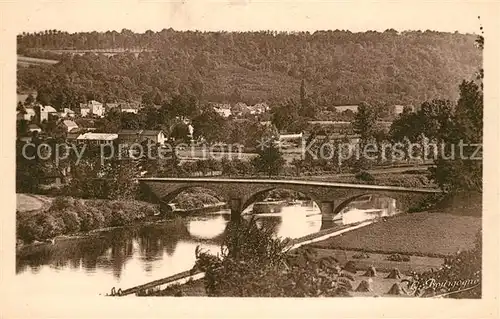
x=243 y=15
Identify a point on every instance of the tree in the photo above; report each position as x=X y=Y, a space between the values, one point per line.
x=286 y=118
x=21 y=127
x=20 y=108
x=269 y=159
x=364 y=122
x=131 y=121
x=464 y=172
x=307 y=108
x=29 y=100
x=210 y=125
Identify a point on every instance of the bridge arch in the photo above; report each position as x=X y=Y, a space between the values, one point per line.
x=254 y=197
x=163 y=194
x=345 y=203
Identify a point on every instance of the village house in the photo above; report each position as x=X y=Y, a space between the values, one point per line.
x=240 y=109
x=92 y=108
x=84 y=110
x=46 y=111
x=97 y=138
x=222 y=109
x=28 y=115
x=69 y=125
x=67 y=113
x=343 y=108
x=398 y=109
x=129 y=107
x=259 y=108
x=139 y=136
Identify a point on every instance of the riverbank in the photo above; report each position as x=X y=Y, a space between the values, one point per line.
x=43 y=219
x=70 y=216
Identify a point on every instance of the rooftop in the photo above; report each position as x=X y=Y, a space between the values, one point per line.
x=342 y=108
x=48 y=109
x=69 y=123
x=98 y=136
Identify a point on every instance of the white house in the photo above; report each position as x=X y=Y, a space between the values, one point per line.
x=28 y=115
x=96 y=108
x=92 y=108
x=129 y=108
x=45 y=111
x=223 y=110
x=69 y=125
x=157 y=136
x=84 y=111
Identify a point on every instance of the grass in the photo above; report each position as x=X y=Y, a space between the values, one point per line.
x=28 y=202
x=419 y=234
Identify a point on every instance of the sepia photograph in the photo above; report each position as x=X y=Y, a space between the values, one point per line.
x=171 y=152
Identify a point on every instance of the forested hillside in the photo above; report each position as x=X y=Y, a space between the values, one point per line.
x=339 y=67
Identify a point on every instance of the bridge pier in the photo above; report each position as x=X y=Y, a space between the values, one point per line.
x=235 y=205
x=327 y=208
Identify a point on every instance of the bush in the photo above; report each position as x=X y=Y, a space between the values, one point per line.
x=365 y=176
x=252 y=263
x=52 y=226
x=361 y=256
x=91 y=218
x=71 y=221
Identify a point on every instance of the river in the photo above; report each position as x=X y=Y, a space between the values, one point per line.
x=127 y=257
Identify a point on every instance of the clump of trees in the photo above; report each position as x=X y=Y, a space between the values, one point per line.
x=68 y=215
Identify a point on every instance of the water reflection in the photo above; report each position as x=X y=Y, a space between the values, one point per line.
x=131 y=256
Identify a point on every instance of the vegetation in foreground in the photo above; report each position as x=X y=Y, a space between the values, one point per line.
x=264 y=267
x=68 y=215
x=459 y=268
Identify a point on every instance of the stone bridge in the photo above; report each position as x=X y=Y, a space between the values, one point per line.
x=240 y=193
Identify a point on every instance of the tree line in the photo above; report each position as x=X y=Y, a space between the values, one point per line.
x=342 y=67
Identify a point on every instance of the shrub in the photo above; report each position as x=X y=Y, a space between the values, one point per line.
x=51 y=225
x=91 y=218
x=120 y=218
x=365 y=176
x=361 y=256
x=252 y=263
x=71 y=221
x=28 y=229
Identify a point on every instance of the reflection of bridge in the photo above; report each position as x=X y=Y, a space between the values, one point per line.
x=240 y=193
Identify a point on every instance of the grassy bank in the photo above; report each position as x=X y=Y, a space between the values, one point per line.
x=67 y=215
x=421 y=234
